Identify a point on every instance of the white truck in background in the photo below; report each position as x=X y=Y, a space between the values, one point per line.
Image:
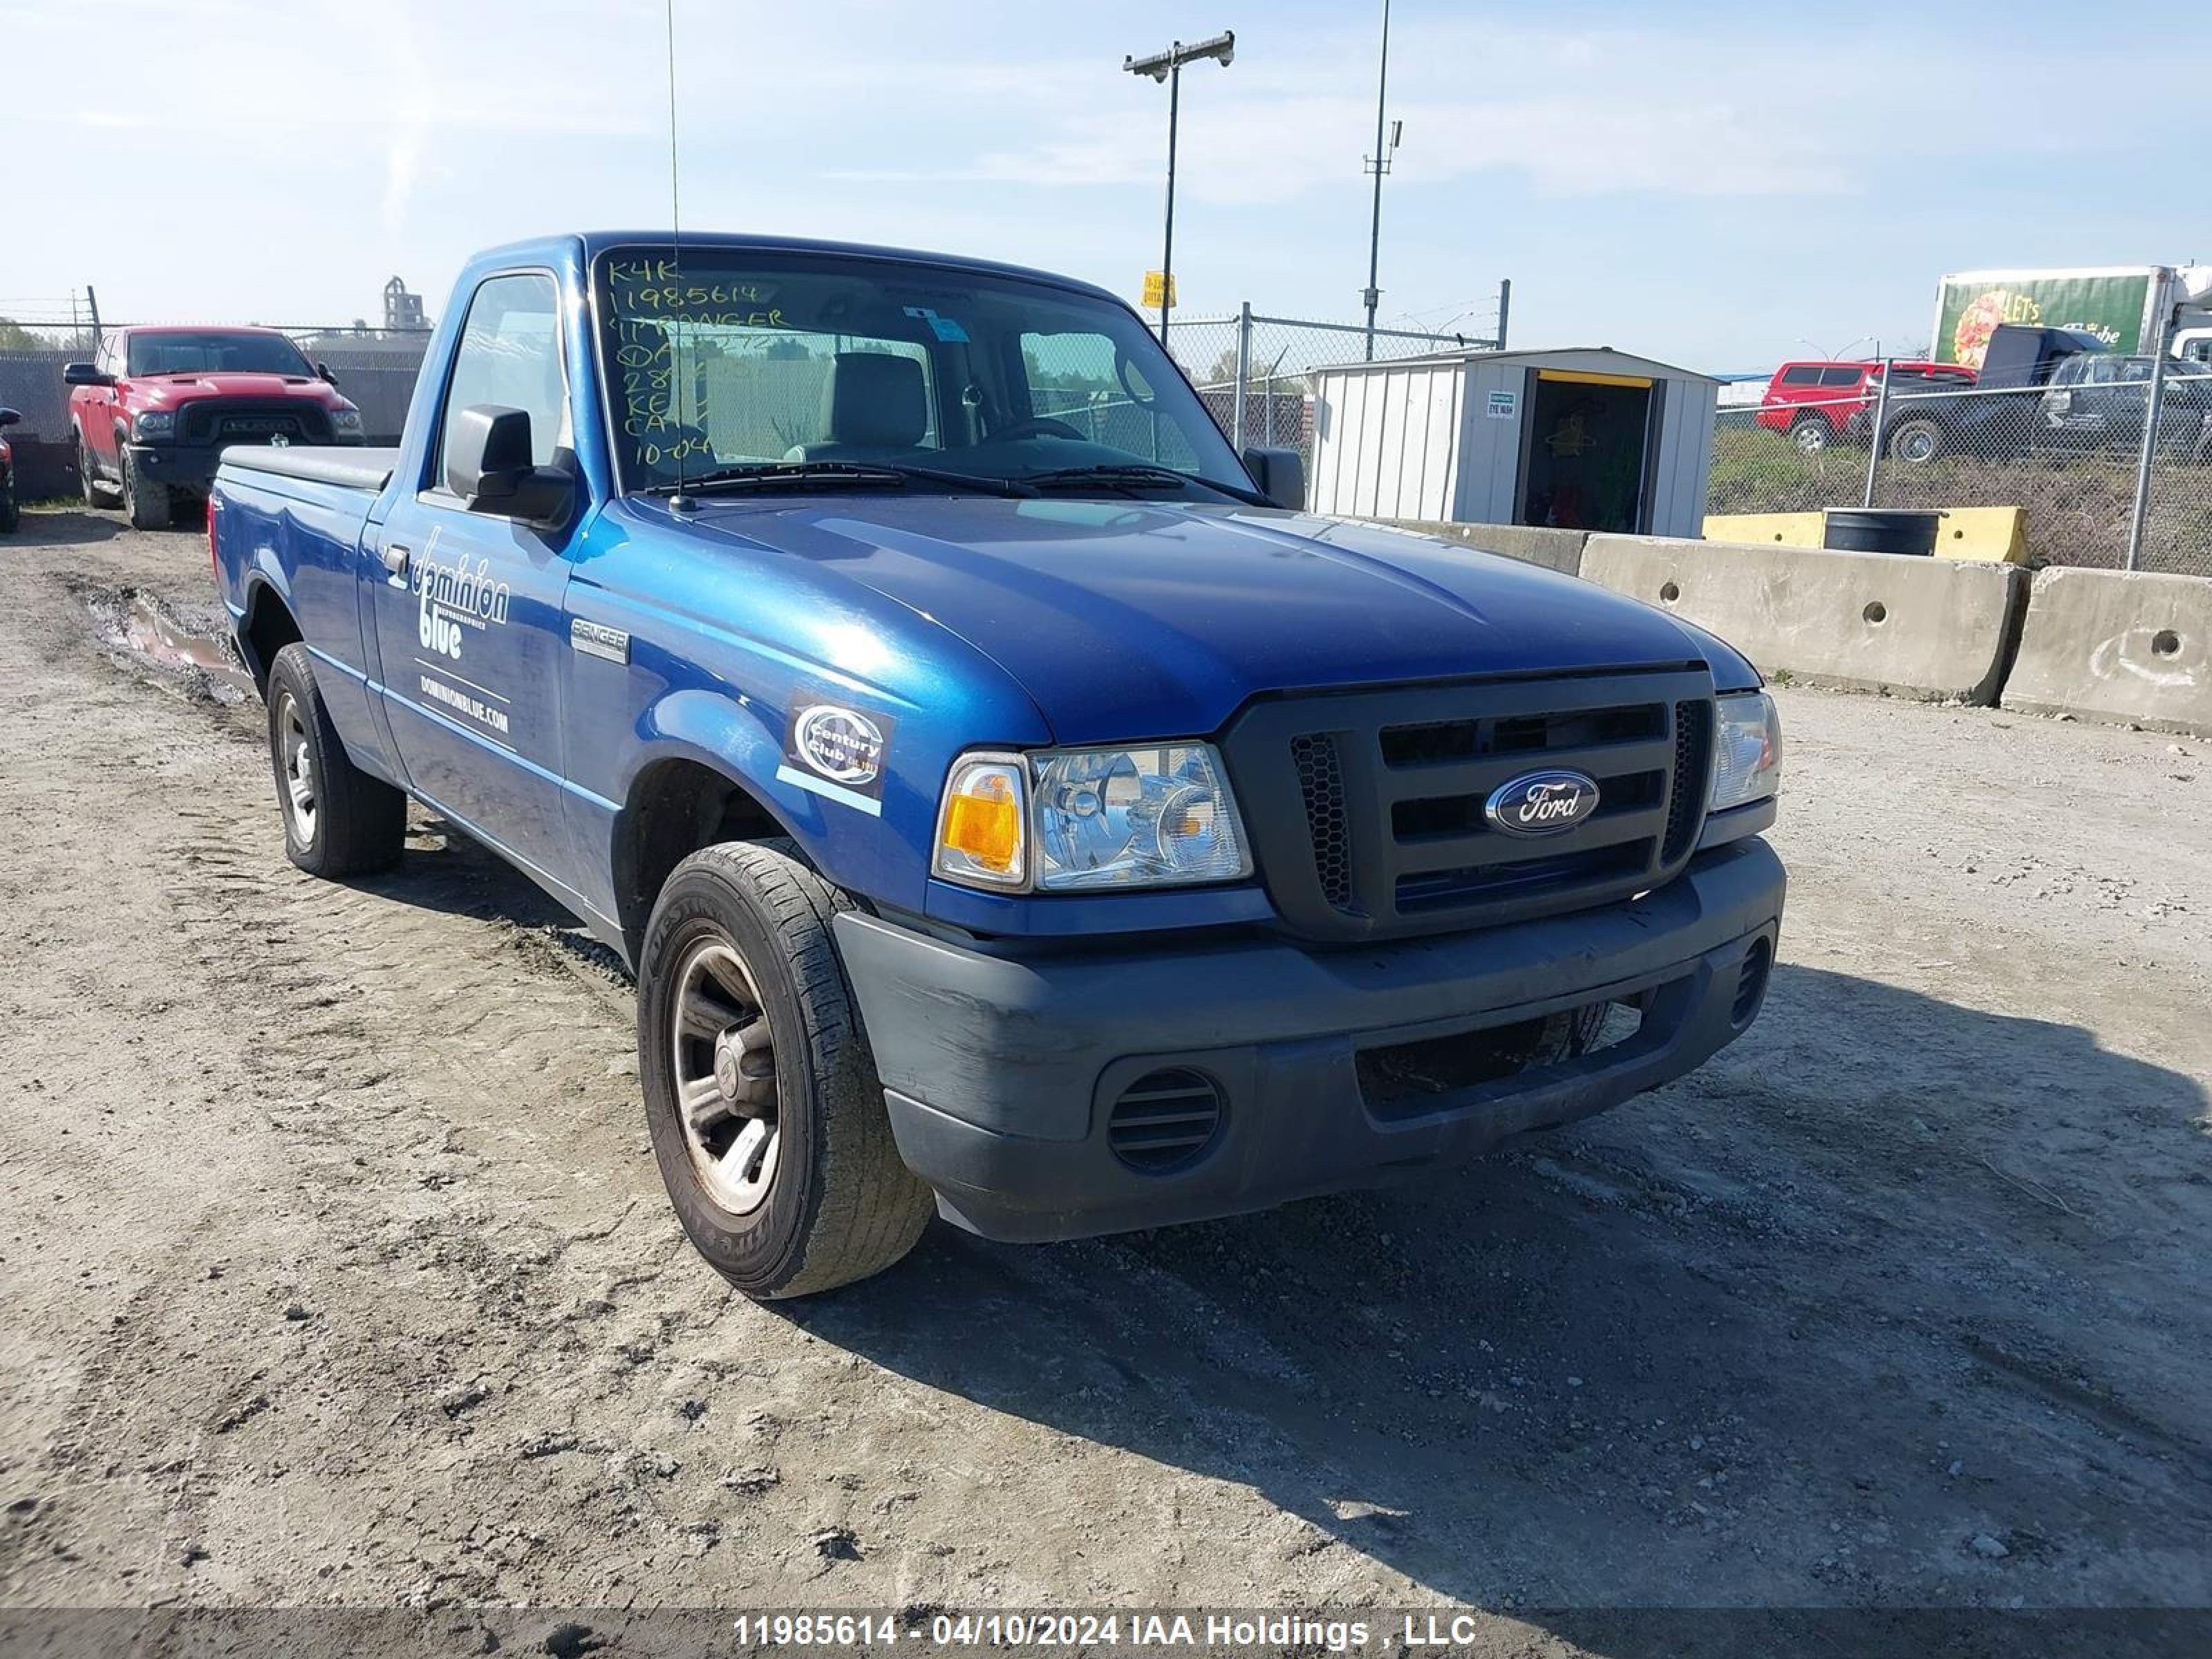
x=2130 y=308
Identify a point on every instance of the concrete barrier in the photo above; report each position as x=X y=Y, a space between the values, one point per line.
x=1555 y=549
x=1996 y=534
x=1933 y=629
x=2106 y=645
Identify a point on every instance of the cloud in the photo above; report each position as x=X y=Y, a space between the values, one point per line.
x=1278 y=150
x=410 y=107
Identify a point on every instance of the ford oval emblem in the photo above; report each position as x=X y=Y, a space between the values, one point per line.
x=1541 y=803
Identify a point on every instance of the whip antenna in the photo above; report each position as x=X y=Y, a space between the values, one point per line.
x=679 y=502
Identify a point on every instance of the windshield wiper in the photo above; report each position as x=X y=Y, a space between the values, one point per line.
x=770 y=474
x=1135 y=476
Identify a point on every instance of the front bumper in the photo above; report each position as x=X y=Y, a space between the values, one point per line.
x=189 y=466
x=1002 y=1066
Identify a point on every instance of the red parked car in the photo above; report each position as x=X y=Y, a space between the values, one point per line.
x=10 y=514
x=154 y=412
x=1819 y=403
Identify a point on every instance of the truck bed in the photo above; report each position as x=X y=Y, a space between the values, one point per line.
x=350 y=465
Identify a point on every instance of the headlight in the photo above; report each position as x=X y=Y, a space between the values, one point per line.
x=346 y=420
x=1747 y=750
x=155 y=424
x=1074 y=820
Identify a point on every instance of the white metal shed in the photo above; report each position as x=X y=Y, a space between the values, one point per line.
x=1586 y=438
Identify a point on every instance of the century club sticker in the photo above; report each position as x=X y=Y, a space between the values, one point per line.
x=837 y=752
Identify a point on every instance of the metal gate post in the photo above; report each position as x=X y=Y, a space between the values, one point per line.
x=2154 y=397
x=1243 y=374
x=1874 y=442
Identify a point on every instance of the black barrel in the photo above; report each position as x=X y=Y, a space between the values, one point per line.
x=1880 y=530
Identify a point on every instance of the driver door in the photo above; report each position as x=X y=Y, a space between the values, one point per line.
x=469 y=607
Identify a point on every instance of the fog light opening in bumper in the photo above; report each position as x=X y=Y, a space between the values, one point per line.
x=1166 y=1120
x=1751 y=982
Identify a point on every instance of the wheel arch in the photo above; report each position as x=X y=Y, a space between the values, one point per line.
x=266 y=628
x=677 y=803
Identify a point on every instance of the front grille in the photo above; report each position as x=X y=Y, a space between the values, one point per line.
x=1322 y=786
x=1366 y=809
x=224 y=422
x=1693 y=761
x=1164 y=1120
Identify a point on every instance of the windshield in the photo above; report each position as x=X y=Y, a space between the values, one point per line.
x=750 y=359
x=187 y=352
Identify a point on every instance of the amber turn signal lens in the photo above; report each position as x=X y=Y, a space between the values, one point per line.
x=986 y=827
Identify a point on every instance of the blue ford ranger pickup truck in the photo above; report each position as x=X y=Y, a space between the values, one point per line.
x=1010 y=802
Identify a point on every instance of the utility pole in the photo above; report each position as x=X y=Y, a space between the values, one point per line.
x=1168 y=66
x=1378 y=164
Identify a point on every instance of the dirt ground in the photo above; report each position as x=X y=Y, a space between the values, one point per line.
x=334 y=1268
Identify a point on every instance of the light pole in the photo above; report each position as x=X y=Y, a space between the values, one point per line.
x=1378 y=164
x=1168 y=66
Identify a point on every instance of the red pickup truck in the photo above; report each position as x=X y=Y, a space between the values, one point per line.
x=154 y=411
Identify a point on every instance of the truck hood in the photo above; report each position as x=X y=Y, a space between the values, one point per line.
x=174 y=391
x=1131 y=619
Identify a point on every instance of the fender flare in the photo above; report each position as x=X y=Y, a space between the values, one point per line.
x=722 y=733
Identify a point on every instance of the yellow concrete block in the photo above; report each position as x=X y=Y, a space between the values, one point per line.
x=1787 y=529
x=1993 y=535
x=1996 y=535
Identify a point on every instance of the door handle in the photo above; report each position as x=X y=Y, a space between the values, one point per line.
x=395 y=558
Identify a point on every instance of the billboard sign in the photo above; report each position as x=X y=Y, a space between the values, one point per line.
x=2111 y=304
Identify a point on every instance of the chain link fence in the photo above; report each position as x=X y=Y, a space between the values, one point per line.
x=1255 y=371
x=2110 y=460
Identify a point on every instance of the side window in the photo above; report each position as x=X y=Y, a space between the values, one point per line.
x=1847 y=375
x=2070 y=371
x=510 y=355
x=1800 y=375
x=2098 y=370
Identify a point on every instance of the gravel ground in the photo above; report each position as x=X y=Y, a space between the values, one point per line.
x=334 y=1268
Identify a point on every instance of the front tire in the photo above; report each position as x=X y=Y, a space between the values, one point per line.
x=766 y=1114
x=1811 y=435
x=339 y=820
x=88 y=475
x=147 y=503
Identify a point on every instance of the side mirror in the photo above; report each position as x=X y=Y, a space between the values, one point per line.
x=322 y=373
x=488 y=465
x=10 y=418
x=85 y=374
x=1281 y=474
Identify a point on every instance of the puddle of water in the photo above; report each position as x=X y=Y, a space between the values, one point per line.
x=145 y=632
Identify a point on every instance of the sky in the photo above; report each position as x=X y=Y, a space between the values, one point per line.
x=1714 y=184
